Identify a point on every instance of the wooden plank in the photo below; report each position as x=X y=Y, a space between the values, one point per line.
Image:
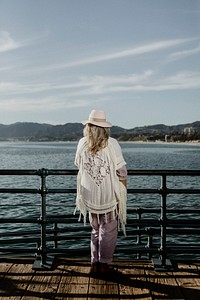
x=104 y=286
x=188 y=279
x=4 y=268
x=44 y=285
x=14 y=284
x=163 y=285
x=133 y=280
x=103 y=289
x=71 y=280
x=74 y=281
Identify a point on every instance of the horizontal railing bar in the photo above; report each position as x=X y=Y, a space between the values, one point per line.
x=183 y=211
x=182 y=231
x=61 y=191
x=19 y=191
x=164 y=172
x=85 y=251
x=71 y=235
x=143 y=191
x=20 y=220
x=73 y=191
x=119 y=249
x=183 y=222
x=20 y=240
x=143 y=222
x=183 y=249
x=129 y=211
x=66 y=238
x=38 y=172
x=22 y=233
x=168 y=211
x=18 y=172
x=74 y=172
x=183 y=191
x=136 y=249
x=160 y=191
x=18 y=250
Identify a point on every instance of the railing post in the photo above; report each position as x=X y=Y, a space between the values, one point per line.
x=139 y=212
x=55 y=228
x=42 y=260
x=163 y=263
x=163 y=219
x=149 y=245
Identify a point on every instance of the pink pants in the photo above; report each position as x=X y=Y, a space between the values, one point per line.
x=103 y=237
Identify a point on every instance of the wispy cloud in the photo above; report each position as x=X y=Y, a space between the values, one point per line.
x=149 y=81
x=95 y=90
x=182 y=80
x=102 y=85
x=14 y=88
x=45 y=104
x=7 y=43
x=184 y=53
x=135 y=51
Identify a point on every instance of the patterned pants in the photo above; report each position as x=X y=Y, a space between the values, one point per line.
x=103 y=237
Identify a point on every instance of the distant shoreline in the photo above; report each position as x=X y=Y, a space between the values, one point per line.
x=163 y=143
x=194 y=143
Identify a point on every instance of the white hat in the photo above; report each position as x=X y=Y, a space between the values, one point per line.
x=97 y=118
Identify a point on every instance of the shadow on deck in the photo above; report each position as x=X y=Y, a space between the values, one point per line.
x=71 y=280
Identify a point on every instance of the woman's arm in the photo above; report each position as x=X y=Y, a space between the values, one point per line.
x=122 y=174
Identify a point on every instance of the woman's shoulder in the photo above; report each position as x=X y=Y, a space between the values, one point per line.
x=115 y=146
x=113 y=141
x=82 y=142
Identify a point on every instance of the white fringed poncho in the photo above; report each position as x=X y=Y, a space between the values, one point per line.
x=99 y=189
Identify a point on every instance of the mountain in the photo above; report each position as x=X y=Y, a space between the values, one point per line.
x=74 y=131
x=35 y=131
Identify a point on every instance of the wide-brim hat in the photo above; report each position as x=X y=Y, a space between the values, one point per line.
x=97 y=118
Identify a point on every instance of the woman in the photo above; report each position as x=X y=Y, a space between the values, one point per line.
x=101 y=188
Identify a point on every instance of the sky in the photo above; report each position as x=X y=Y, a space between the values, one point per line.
x=138 y=60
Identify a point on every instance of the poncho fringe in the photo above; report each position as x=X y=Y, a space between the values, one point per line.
x=118 y=205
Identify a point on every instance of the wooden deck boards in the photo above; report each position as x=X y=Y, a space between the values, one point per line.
x=70 y=280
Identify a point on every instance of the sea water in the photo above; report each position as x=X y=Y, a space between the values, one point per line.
x=60 y=155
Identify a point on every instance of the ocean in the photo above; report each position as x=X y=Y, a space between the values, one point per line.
x=60 y=155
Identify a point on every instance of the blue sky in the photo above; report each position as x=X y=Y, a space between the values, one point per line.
x=139 y=60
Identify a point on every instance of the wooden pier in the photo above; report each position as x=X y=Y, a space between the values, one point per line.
x=70 y=279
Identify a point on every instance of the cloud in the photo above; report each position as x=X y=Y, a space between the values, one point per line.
x=7 y=43
x=182 y=80
x=95 y=90
x=81 y=85
x=46 y=104
x=185 y=53
x=148 y=81
x=101 y=85
x=129 y=78
x=140 y=50
x=9 y=88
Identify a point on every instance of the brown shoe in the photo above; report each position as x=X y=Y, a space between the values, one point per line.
x=94 y=268
x=105 y=269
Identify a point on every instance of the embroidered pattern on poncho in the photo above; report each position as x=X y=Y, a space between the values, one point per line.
x=97 y=168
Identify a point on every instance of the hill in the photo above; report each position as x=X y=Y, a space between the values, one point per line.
x=27 y=131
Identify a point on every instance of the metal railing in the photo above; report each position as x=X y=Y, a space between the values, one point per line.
x=147 y=237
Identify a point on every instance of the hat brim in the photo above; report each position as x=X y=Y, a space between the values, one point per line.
x=99 y=124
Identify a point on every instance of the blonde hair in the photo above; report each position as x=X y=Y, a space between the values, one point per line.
x=97 y=137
